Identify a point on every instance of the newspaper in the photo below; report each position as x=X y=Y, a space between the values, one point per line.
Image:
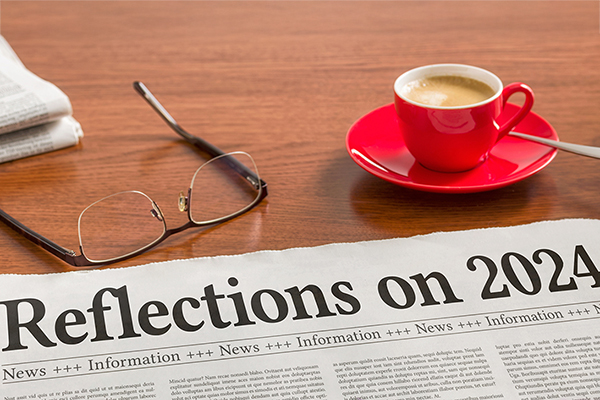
x=34 y=114
x=502 y=313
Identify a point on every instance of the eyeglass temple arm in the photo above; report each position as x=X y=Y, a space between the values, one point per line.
x=200 y=143
x=66 y=255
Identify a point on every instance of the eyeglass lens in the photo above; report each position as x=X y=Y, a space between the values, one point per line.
x=119 y=225
x=126 y=222
x=218 y=191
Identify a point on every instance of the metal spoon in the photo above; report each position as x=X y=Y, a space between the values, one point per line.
x=589 y=151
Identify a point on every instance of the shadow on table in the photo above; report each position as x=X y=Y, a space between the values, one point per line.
x=385 y=205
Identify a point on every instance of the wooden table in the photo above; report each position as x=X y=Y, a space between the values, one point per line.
x=284 y=81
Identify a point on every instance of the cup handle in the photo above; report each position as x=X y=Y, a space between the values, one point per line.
x=508 y=91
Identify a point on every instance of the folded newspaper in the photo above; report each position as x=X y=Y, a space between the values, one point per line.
x=504 y=313
x=35 y=115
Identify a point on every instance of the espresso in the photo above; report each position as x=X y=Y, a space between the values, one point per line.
x=447 y=91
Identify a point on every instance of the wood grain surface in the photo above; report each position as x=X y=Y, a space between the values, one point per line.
x=284 y=81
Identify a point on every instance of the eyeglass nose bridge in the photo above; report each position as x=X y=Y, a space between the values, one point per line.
x=183 y=202
x=156 y=213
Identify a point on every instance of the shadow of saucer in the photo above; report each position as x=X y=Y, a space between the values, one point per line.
x=398 y=211
x=384 y=205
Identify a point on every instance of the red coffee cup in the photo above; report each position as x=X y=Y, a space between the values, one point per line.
x=456 y=138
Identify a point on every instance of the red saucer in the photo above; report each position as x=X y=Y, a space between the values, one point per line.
x=375 y=143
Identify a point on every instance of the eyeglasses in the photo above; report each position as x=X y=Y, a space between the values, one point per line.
x=126 y=224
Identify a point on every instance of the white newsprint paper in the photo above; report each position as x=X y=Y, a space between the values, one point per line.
x=503 y=313
x=35 y=115
x=39 y=139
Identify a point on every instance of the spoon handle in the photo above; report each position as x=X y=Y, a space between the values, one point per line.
x=589 y=151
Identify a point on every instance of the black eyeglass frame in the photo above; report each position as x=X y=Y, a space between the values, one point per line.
x=80 y=260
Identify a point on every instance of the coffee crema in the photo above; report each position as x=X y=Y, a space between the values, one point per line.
x=447 y=91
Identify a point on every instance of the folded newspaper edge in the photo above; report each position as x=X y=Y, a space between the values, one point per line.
x=35 y=115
